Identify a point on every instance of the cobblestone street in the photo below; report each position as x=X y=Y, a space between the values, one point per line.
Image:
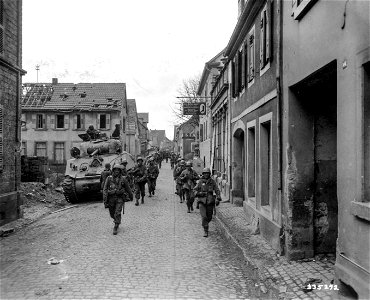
x=159 y=252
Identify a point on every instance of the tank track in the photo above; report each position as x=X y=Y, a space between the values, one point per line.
x=69 y=190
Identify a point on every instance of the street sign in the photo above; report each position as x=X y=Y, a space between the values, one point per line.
x=194 y=108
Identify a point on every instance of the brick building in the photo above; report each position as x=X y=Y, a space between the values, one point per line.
x=10 y=94
x=55 y=113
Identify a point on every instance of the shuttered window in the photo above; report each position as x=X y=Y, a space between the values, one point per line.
x=1 y=139
x=103 y=121
x=59 y=121
x=251 y=55
x=265 y=36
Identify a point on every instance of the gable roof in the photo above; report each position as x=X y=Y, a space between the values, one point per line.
x=72 y=97
x=144 y=117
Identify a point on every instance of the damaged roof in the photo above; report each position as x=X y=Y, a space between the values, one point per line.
x=70 y=96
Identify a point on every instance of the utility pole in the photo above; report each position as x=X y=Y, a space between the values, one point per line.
x=37 y=70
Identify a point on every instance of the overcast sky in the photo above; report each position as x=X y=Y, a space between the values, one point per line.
x=150 y=45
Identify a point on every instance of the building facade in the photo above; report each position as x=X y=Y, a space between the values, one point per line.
x=185 y=135
x=210 y=71
x=55 y=114
x=326 y=63
x=10 y=121
x=253 y=60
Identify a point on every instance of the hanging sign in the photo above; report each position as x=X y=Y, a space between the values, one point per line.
x=194 y=108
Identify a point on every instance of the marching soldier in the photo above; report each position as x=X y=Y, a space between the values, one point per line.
x=189 y=178
x=140 y=178
x=204 y=191
x=153 y=172
x=177 y=173
x=116 y=192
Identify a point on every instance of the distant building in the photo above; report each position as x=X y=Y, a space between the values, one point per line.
x=132 y=130
x=10 y=124
x=55 y=113
x=156 y=137
x=185 y=135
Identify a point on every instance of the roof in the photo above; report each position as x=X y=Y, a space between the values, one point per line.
x=70 y=96
x=131 y=115
x=208 y=66
x=144 y=117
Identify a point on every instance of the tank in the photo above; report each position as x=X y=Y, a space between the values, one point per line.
x=83 y=170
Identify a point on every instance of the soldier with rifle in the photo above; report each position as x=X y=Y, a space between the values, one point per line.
x=189 y=178
x=153 y=172
x=179 y=182
x=139 y=173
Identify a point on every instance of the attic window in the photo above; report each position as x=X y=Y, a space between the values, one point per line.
x=83 y=95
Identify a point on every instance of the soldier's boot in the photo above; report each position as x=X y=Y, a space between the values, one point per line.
x=205 y=232
x=189 y=210
x=137 y=202
x=142 y=200
x=153 y=191
x=192 y=208
x=115 y=229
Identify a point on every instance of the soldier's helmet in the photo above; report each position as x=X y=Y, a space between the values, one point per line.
x=118 y=167
x=206 y=170
x=107 y=165
x=179 y=159
x=182 y=162
x=124 y=162
x=139 y=158
x=188 y=164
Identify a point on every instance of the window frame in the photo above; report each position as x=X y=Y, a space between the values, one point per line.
x=43 y=121
x=301 y=7
x=46 y=147
x=24 y=149
x=265 y=209
x=252 y=200
x=265 y=38
x=251 y=56
x=55 y=153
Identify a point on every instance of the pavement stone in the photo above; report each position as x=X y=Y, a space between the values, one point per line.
x=268 y=264
x=159 y=253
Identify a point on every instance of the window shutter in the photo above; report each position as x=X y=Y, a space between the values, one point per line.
x=246 y=63
x=66 y=121
x=107 y=121
x=74 y=122
x=243 y=67
x=52 y=121
x=98 y=122
x=33 y=121
x=268 y=31
x=1 y=139
x=237 y=74
x=44 y=121
x=262 y=44
x=82 y=121
x=233 y=78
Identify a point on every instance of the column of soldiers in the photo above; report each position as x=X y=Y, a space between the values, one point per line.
x=120 y=185
x=189 y=185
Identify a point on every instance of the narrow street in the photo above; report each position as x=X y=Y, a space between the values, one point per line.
x=159 y=253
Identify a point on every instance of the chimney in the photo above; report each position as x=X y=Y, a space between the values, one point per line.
x=54 y=81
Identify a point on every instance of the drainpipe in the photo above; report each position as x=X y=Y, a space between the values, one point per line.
x=280 y=114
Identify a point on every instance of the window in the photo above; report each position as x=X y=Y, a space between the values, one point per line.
x=265 y=38
x=366 y=128
x=59 y=121
x=265 y=159
x=40 y=121
x=103 y=121
x=78 y=121
x=301 y=7
x=2 y=34
x=251 y=168
x=251 y=56
x=1 y=138
x=201 y=132
x=59 y=156
x=24 y=148
x=40 y=149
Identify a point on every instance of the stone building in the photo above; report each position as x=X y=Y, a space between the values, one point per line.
x=185 y=135
x=326 y=173
x=10 y=95
x=55 y=113
x=132 y=142
x=253 y=60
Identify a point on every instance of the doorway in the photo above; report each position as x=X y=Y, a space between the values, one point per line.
x=238 y=166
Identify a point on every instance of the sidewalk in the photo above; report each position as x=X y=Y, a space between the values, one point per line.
x=286 y=278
